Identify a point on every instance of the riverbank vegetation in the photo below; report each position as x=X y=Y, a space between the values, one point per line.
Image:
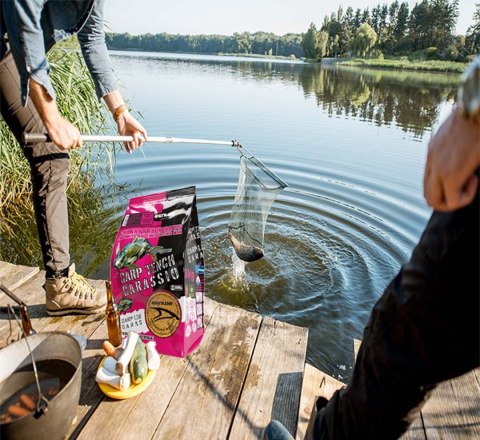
x=404 y=63
x=413 y=38
x=388 y=30
x=259 y=43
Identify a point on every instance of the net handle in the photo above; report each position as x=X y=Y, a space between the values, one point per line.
x=31 y=138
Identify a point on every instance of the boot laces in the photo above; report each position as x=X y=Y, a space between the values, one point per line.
x=79 y=286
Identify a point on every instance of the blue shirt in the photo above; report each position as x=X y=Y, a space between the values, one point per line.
x=34 y=26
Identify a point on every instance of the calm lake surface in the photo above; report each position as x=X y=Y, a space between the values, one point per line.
x=350 y=144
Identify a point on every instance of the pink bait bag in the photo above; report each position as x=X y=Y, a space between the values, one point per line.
x=157 y=271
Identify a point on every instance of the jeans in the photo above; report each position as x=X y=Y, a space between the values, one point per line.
x=49 y=169
x=423 y=330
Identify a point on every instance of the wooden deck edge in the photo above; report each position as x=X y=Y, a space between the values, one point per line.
x=315 y=384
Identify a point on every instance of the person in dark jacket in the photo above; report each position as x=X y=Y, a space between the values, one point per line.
x=28 y=30
x=425 y=327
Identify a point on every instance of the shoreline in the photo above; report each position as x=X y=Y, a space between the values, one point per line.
x=402 y=64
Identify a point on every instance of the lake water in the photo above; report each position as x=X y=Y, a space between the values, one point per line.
x=350 y=144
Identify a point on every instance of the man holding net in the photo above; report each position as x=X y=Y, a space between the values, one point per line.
x=425 y=327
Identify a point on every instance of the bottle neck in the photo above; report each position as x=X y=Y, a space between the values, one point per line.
x=108 y=287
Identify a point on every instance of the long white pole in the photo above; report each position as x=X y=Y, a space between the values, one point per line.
x=30 y=138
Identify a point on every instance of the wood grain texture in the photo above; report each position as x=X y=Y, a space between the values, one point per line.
x=248 y=370
x=204 y=403
x=315 y=384
x=273 y=385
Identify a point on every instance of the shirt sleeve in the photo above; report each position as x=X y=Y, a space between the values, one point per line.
x=94 y=50
x=22 y=21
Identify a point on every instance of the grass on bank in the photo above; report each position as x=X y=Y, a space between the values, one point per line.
x=405 y=63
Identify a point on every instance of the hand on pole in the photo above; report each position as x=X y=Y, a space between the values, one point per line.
x=129 y=126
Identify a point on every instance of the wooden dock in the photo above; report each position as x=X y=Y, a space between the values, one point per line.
x=248 y=370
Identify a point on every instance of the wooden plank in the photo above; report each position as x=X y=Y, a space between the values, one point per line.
x=13 y=276
x=204 y=402
x=453 y=409
x=356 y=347
x=90 y=395
x=5 y=267
x=416 y=431
x=315 y=384
x=272 y=388
x=81 y=324
x=115 y=418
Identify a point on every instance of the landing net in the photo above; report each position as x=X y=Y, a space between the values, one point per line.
x=257 y=189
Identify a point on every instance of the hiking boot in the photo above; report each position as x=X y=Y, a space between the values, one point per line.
x=73 y=294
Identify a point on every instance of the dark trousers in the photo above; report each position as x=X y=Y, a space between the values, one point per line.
x=423 y=330
x=49 y=168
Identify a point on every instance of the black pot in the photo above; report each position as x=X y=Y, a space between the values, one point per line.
x=51 y=350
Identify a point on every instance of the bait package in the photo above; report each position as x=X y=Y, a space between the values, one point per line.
x=157 y=271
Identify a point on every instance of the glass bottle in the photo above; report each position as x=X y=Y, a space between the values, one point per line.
x=112 y=317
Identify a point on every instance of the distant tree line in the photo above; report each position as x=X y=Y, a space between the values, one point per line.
x=262 y=43
x=386 y=29
x=395 y=30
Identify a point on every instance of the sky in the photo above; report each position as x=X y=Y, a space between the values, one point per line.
x=225 y=17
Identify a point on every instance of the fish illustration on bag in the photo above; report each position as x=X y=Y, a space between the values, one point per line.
x=124 y=304
x=135 y=250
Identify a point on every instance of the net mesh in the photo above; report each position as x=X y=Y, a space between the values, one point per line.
x=257 y=189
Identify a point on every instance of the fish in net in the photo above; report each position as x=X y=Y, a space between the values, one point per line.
x=257 y=189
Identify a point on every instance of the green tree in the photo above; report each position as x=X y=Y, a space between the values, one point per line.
x=472 y=37
x=401 y=24
x=334 y=45
x=432 y=23
x=364 y=41
x=309 y=42
x=322 y=41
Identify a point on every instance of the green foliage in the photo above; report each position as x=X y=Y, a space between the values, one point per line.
x=239 y=43
x=472 y=38
x=322 y=41
x=404 y=63
x=432 y=23
x=310 y=42
x=364 y=41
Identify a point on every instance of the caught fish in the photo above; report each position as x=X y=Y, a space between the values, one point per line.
x=124 y=304
x=244 y=251
x=135 y=250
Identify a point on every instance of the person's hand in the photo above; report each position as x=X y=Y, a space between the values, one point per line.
x=450 y=181
x=63 y=133
x=129 y=126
